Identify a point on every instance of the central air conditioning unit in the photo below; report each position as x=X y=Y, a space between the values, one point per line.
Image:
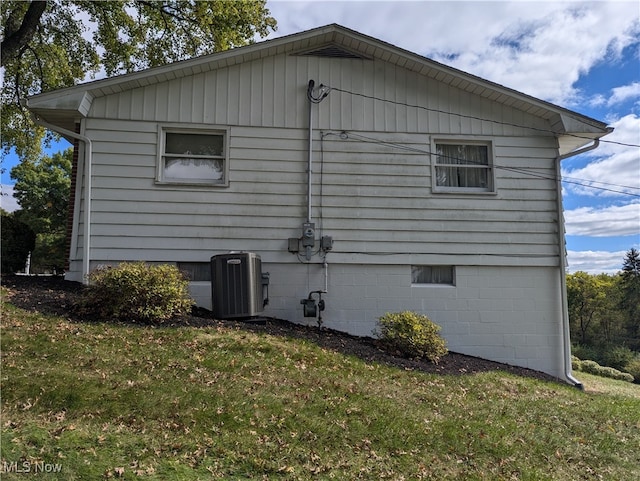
x=238 y=285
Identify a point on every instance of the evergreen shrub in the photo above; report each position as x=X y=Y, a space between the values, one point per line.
x=411 y=334
x=136 y=292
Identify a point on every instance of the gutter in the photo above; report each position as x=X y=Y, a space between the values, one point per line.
x=86 y=246
x=566 y=344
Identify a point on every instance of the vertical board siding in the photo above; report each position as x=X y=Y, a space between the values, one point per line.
x=369 y=192
x=271 y=92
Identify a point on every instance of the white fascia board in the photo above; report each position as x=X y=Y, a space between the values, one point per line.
x=73 y=100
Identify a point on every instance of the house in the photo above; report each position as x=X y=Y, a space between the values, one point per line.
x=377 y=177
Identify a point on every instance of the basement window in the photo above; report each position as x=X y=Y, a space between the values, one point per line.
x=193 y=156
x=196 y=271
x=462 y=167
x=433 y=275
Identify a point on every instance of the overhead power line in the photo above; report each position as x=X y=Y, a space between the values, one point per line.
x=472 y=117
x=345 y=135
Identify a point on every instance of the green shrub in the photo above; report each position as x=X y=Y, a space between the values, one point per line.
x=590 y=367
x=584 y=352
x=576 y=364
x=633 y=368
x=614 y=373
x=596 y=369
x=616 y=356
x=136 y=292
x=412 y=334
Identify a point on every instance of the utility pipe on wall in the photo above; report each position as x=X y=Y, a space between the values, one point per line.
x=323 y=91
x=310 y=151
x=86 y=246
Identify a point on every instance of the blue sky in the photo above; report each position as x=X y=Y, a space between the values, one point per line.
x=581 y=55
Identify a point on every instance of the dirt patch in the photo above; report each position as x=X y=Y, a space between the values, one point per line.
x=53 y=295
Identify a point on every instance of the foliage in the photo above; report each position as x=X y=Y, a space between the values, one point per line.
x=616 y=356
x=606 y=354
x=596 y=369
x=576 y=363
x=42 y=189
x=604 y=314
x=18 y=239
x=412 y=334
x=630 y=301
x=583 y=351
x=49 y=45
x=50 y=253
x=590 y=303
x=633 y=368
x=136 y=292
x=221 y=402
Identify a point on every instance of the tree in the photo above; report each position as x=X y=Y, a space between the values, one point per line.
x=57 y=43
x=42 y=189
x=630 y=295
x=589 y=304
x=18 y=240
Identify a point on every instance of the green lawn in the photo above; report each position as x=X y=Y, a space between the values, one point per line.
x=97 y=401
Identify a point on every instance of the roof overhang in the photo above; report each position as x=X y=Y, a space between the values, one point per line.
x=65 y=107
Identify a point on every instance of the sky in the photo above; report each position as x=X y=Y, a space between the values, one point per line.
x=584 y=56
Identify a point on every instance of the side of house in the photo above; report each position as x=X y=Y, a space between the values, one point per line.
x=438 y=198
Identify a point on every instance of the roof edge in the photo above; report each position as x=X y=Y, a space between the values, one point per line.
x=566 y=119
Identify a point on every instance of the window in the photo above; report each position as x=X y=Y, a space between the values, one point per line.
x=443 y=275
x=193 y=157
x=463 y=167
x=196 y=271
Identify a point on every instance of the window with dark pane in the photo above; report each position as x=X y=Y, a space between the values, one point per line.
x=433 y=275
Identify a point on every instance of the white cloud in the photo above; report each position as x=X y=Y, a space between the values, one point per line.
x=624 y=93
x=540 y=48
x=595 y=262
x=7 y=201
x=623 y=220
x=613 y=166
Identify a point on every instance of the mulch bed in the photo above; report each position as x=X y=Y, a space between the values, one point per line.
x=55 y=296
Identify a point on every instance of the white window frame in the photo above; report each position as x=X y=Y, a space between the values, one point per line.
x=489 y=189
x=164 y=129
x=432 y=282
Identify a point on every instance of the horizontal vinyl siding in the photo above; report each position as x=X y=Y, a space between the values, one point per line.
x=133 y=218
x=383 y=203
x=372 y=194
x=376 y=201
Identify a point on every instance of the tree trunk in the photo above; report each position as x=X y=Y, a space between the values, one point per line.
x=15 y=39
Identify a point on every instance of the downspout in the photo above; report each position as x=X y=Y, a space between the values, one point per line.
x=86 y=246
x=563 y=262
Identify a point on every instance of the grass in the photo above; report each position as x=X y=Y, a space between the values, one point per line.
x=107 y=401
